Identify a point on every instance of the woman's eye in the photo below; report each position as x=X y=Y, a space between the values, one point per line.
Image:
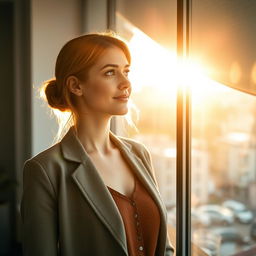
x=126 y=72
x=110 y=73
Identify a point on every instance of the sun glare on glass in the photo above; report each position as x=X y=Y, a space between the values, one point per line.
x=158 y=67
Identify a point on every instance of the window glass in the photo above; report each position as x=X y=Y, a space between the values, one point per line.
x=153 y=107
x=224 y=167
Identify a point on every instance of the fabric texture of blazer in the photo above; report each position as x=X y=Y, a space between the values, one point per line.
x=67 y=209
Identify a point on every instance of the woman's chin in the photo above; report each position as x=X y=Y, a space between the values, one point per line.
x=121 y=112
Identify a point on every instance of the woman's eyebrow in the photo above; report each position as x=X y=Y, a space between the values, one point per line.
x=113 y=66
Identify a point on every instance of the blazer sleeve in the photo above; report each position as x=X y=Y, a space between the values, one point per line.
x=38 y=212
x=169 y=251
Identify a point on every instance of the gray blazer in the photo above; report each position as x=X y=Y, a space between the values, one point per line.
x=66 y=208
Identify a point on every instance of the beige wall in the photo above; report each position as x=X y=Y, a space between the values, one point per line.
x=53 y=23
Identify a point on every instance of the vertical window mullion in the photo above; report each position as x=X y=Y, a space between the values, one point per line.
x=111 y=15
x=183 y=200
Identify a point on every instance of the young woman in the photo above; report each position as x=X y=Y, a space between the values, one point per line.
x=93 y=193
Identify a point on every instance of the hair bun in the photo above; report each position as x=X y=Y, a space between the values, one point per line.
x=54 y=99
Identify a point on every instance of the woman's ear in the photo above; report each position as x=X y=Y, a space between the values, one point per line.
x=74 y=85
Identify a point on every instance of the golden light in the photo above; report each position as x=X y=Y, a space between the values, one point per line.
x=157 y=67
x=253 y=73
x=152 y=65
x=63 y=115
x=238 y=137
x=235 y=72
x=64 y=120
x=170 y=152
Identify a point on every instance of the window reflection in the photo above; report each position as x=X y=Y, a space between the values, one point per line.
x=223 y=169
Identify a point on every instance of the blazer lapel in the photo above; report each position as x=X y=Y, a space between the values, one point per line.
x=95 y=192
x=93 y=188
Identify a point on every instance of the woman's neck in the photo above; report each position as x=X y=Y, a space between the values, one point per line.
x=94 y=135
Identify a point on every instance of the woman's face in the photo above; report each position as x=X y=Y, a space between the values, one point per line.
x=107 y=87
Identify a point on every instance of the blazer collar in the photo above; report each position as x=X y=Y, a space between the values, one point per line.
x=95 y=191
x=73 y=150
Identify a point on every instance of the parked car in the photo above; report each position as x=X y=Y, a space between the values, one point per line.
x=253 y=230
x=244 y=217
x=242 y=214
x=234 y=205
x=231 y=234
x=199 y=219
x=218 y=214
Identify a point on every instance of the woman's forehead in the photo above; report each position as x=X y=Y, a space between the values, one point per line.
x=113 y=56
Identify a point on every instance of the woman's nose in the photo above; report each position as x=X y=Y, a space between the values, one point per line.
x=124 y=83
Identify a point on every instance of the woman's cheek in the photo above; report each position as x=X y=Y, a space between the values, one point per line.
x=102 y=89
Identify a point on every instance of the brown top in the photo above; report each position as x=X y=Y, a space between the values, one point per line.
x=141 y=220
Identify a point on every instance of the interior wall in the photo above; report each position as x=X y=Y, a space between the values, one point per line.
x=52 y=24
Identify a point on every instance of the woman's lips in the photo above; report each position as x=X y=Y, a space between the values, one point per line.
x=122 y=97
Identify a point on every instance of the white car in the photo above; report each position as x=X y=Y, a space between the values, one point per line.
x=200 y=219
x=242 y=214
x=218 y=214
x=234 y=205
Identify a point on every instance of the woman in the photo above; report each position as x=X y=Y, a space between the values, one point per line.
x=93 y=193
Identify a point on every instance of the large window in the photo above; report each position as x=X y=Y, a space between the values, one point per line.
x=223 y=166
x=223 y=120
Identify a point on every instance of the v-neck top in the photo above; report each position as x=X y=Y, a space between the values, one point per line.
x=141 y=219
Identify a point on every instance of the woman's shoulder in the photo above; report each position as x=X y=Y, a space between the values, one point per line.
x=47 y=156
x=141 y=151
x=136 y=146
x=133 y=143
